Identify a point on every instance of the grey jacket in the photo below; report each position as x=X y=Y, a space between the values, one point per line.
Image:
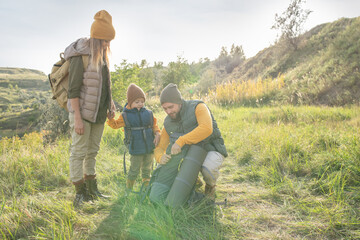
x=90 y=91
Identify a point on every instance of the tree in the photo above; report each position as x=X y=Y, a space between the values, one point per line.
x=291 y=22
x=197 y=68
x=223 y=58
x=177 y=72
x=207 y=80
x=158 y=73
x=128 y=73
x=237 y=56
x=226 y=62
x=237 y=51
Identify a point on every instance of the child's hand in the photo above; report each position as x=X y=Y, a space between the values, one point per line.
x=111 y=115
x=157 y=138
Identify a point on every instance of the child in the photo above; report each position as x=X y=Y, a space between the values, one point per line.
x=143 y=132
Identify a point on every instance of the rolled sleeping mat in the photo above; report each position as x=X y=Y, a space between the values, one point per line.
x=186 y=178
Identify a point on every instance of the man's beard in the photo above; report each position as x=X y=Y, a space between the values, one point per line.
x=176 y=117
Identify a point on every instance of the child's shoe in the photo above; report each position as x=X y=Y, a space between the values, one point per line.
x=129 y=186
x=146 y=182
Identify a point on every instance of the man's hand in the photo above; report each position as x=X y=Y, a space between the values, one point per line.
x=175 y=149
x=164 y=159
x=157 y=138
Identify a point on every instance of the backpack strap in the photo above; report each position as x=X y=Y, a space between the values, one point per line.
x=151 y=118
x=128 y=126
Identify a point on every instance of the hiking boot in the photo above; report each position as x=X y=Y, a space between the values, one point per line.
x=93 y=189
x=210 y=191
x=82 y=194
x=130 y=184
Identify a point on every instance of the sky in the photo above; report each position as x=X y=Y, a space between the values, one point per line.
x=34 y=32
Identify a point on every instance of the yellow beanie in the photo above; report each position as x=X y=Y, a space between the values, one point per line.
x=102 y=27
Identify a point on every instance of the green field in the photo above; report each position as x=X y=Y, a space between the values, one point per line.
x=292 y=173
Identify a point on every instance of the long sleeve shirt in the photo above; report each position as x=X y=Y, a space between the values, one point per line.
x=202 y=131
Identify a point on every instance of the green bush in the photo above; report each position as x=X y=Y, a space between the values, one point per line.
x=53 y=121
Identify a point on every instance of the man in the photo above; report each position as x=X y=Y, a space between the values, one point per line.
x=187 y=122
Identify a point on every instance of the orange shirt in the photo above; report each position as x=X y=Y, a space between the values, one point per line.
x=202 y=131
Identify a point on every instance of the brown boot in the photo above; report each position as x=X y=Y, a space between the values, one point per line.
x=91 y=184
x=82 y=193
x=146 y=182
x=129 y=186
x=210 y=191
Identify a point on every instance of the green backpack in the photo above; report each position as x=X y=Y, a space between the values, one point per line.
x=59 y=79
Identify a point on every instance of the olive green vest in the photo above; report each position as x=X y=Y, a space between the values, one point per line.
x=187 y=122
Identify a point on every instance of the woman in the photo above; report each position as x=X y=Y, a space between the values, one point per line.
x=89 y=103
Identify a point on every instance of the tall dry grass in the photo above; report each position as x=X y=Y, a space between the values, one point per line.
x=248 y=92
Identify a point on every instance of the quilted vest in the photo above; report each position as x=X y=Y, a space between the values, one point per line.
x=90 y=94
x=141 y=126
x=187 y=122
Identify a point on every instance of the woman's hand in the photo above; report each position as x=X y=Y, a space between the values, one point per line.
x=78 y=122
x=79 y=125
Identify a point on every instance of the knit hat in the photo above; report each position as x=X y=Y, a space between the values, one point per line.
x=134 y=92
x=170 y=94
x=102 y=27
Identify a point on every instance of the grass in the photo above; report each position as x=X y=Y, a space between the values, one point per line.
x=292 y=173
x=307 y=158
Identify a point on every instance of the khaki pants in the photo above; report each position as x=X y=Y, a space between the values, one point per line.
x=211 y=167
x=144 y=162
x=84 y=149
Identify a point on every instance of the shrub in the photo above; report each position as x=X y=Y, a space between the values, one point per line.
x=53 y=121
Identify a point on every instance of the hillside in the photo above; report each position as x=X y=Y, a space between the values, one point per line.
x=323 y=70
x=23 y=78
x=22 y=92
